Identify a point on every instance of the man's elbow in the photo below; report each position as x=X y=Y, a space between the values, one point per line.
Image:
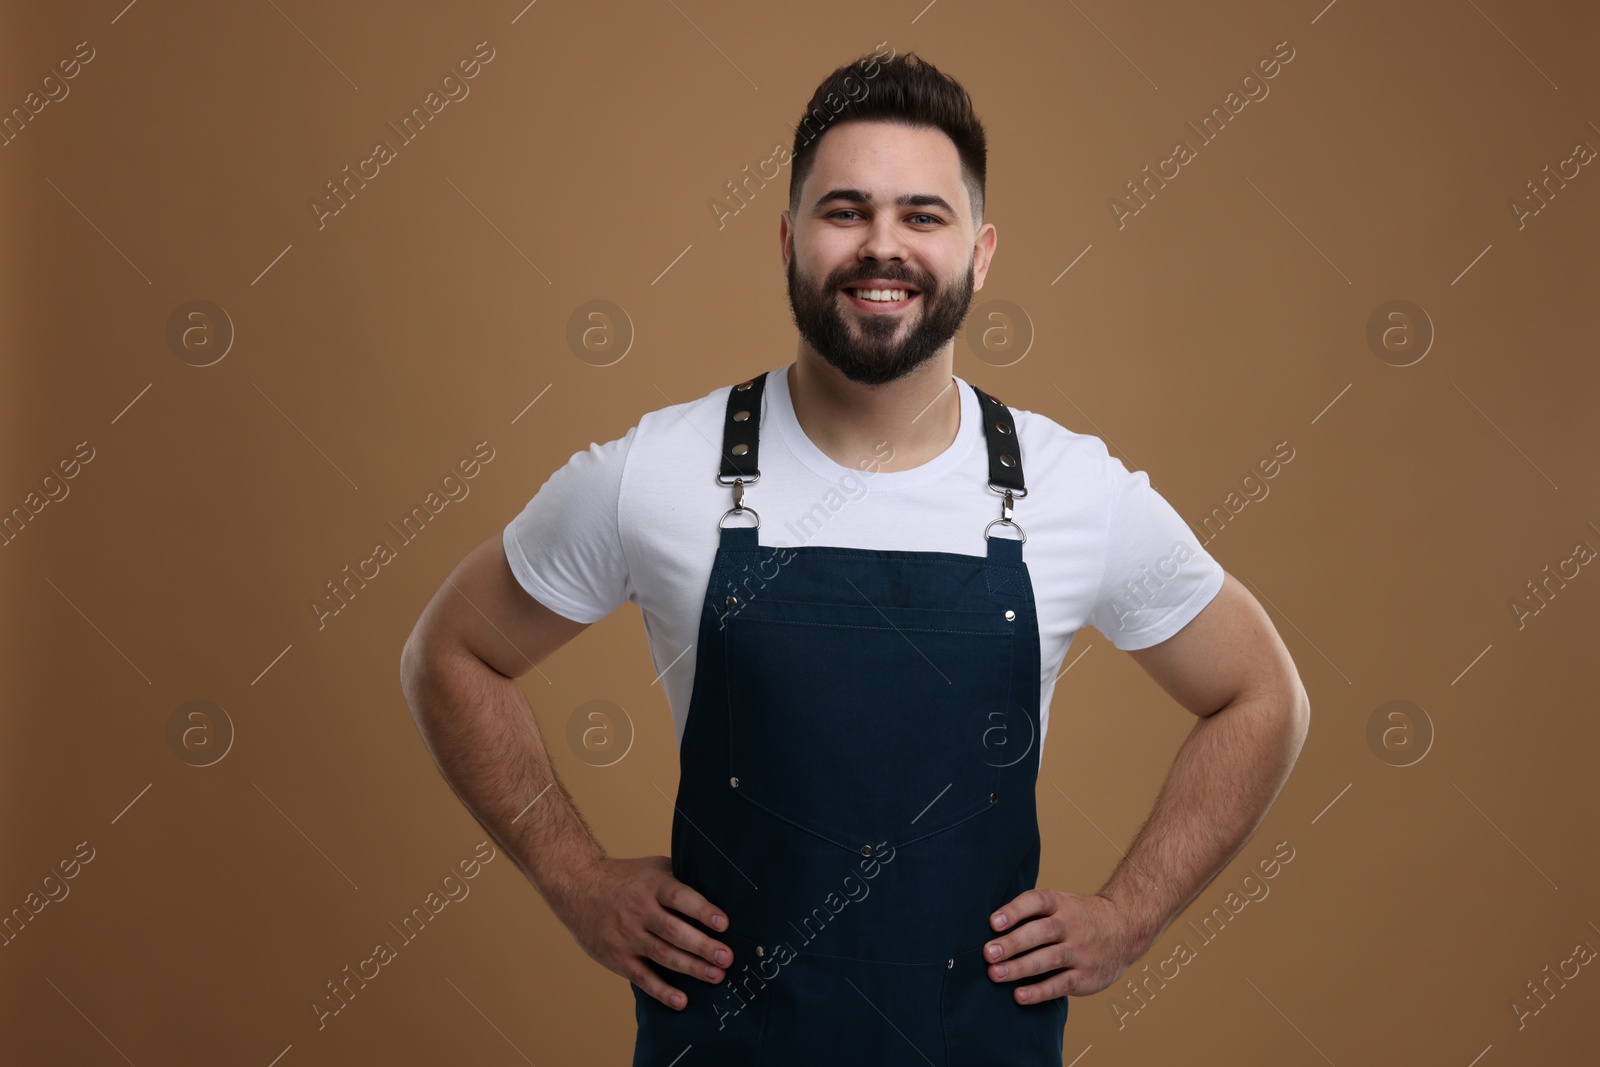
x=1296 y=718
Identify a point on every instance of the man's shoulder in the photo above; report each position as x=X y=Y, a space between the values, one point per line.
x=1055 y=451
x=681 y=435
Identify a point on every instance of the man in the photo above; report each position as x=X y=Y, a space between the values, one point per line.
x=859 y=576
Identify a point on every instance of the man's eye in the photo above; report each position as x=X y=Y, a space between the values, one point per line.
x=930 y=218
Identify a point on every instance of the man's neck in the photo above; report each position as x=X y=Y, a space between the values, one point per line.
x=918 y=415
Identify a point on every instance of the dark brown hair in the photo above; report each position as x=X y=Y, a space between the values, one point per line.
x=906 y=89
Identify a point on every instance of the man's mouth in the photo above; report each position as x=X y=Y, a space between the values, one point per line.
x=893 y=297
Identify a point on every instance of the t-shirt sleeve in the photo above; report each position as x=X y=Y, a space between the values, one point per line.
x=1157 y=575
x=565 y=547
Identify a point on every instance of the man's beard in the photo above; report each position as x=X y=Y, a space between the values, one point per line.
x=868 y=352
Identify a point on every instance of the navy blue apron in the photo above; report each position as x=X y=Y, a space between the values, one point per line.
x=856 y=793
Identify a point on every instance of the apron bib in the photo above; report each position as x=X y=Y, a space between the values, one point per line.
x=856 y=793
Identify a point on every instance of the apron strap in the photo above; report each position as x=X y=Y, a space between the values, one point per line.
x=741 y=443
x=740 y=439
x=1005 y=451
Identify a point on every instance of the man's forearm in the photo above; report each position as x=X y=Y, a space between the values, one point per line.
x=482 y=734
x=1222 y=782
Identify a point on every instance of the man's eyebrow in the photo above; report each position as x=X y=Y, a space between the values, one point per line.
x=856 y=196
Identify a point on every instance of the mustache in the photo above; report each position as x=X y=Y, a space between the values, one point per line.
x=914 y=283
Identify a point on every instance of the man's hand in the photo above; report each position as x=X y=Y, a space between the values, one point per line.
x=617 y=911
x=1088 y=935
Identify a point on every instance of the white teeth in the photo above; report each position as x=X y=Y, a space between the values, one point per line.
x=881 y=294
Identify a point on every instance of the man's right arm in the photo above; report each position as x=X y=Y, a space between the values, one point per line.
x=480 y=632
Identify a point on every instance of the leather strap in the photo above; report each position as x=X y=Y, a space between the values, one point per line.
x=1005 y=451
x=741 y=437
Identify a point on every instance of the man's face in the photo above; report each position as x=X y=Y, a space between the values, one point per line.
x=851 y=229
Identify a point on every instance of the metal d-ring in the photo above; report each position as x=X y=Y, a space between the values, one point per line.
x=1008 y=522
x=752 y=511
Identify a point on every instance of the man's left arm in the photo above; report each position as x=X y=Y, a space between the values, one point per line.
x=1229 y=667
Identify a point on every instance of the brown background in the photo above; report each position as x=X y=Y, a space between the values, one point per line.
x=370 y=355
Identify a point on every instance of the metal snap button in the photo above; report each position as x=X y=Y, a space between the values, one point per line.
x=1010 y=615
x=1003 y=427
x=734 y=782
x=760 y=951
x=741 y=448
x=740 y=416
x=732 y=602
x=866 y=850
x=949 y=963
x=1006 y=459
x=992 y=796
x=742 y=386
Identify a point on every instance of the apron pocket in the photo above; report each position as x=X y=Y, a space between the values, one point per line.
x=721 y=1025
x=984 y=1024
x=867 y=724
x=831 y=1010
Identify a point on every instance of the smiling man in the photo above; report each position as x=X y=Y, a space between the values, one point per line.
x=860 y=716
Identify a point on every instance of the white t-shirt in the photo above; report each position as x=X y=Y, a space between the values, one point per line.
x=636 y=519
